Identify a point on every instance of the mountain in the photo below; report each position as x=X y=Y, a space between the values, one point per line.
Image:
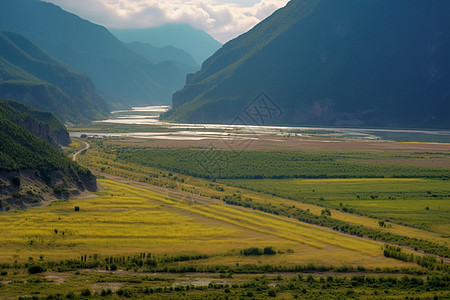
x=159 y=54
x=196 y=42
x=170 y=56
x=122 y=76
x=376 y=63
x=42 y=124
x=32 y=172
x=30 y=75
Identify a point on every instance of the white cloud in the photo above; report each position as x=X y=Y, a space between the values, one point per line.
x=223 y=19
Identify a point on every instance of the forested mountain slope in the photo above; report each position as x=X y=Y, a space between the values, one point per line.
x=32 y=171
x=42 y=124
x=121 y=75
x=376 y=63
x=32 y=76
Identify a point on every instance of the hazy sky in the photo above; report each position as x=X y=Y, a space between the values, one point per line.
x=223 y=19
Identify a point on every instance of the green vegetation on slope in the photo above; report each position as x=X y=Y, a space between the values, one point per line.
x=32 y=76
x=121 y=75
x=30 y=168
x=329 y=63
x=20 y=149
x=42 y=124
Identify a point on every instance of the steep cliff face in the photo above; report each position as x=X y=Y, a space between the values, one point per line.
x=56 y=138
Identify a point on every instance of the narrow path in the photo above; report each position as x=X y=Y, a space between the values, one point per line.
x=86 y=146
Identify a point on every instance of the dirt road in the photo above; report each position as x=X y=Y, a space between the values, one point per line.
x=86 y=146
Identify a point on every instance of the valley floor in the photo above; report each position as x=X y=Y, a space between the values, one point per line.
x=368 y=219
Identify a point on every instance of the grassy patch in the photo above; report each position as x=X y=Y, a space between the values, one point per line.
x=403 y=201
x=212 y=164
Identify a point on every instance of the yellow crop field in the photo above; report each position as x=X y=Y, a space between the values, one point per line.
x=125 y=219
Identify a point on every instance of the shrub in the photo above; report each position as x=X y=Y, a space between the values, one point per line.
x=269 y=251
x=16 y=181
x=35 y=269
x=124 y=292
x=85 y=293
x=252 y=251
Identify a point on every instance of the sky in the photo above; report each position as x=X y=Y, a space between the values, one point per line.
x=223 y=19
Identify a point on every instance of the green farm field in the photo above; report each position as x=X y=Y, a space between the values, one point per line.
x=422 y=203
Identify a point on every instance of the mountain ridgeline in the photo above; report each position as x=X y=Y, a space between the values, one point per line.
x=376 y=63
x=32 y=171
x=197 y=43
x=120 y=75
x=160 y=54
x=32 y=76
x=181 y=62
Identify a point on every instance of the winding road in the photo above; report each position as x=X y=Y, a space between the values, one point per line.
x=86 y=146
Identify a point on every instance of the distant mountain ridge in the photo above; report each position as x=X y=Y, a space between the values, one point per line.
x=124 y=77
x=32 y=172
x=196 y=42
x=374 y=63
x=167 y=55
x=160 y=54
x=30 y=75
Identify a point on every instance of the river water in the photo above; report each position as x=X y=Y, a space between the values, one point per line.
x=180 y=131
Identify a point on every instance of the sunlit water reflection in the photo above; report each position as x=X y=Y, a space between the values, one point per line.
x=184 y=132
